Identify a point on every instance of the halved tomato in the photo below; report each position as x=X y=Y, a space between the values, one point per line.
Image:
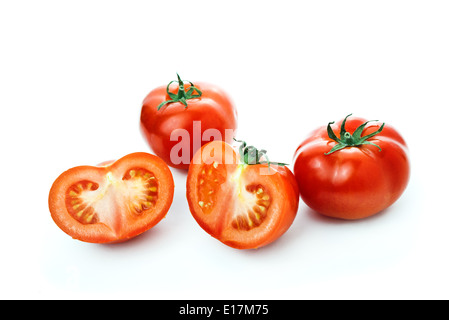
x=114 y=201
x=242 y=205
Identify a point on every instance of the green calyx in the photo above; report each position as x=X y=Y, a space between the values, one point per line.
x=250 y=155
x=351 y=140
x=182 y=95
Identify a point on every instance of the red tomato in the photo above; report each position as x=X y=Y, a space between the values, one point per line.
x=177 y=120
x=242 y=205
x=354 y=174
x=114 y=201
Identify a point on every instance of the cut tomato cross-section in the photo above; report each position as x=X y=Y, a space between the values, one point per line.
x=114 y=201
x=244 y=206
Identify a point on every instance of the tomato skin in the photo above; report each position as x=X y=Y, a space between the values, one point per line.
x=354 y=182
x=214 y=109
x=125 y=225
x=280 y=184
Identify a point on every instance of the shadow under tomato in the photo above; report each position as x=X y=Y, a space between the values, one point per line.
x=299 y=227
x=316 y=216
x=285 y=241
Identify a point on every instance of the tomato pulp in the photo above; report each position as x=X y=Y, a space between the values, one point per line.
x=244 y=206
x=114 y=201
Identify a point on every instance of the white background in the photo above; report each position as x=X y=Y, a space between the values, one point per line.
x=73 y=75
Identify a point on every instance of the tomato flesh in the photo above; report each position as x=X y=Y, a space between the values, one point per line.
x=253 y=200
x=209 y=181
x=78 y=206
x=254 y=212
x=237 y=204
x=113 y=202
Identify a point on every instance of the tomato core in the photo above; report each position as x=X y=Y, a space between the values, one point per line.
x=251 y=201
x=87 y=203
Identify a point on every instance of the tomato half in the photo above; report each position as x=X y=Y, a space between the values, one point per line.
x=244 y=206
x=352 y=169
x=114 y=201
x=178 y=119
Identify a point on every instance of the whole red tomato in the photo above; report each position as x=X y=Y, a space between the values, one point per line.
x=354 y=174
x=178 y=119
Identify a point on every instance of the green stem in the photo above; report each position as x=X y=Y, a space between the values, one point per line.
x=351 y=140
x=182 y=96
x=250 y=155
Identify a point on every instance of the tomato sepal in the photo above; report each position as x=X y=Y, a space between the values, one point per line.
x=182 y=96
x=351 y=140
